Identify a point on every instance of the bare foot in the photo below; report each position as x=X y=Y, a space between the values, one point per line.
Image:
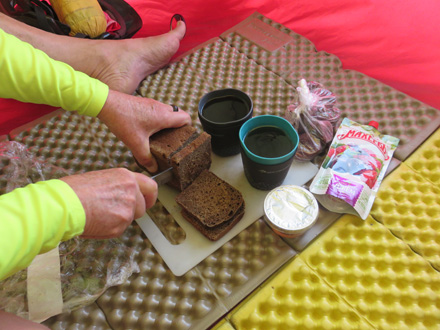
x=123 y=64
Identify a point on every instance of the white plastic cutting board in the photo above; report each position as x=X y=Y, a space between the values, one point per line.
x=196 y=247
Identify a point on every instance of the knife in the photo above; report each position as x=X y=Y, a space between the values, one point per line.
x=163 y=177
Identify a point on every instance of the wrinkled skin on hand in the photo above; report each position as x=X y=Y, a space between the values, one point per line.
x=134 y=119
x=112 y=199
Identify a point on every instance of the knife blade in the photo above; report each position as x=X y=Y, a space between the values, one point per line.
x=163 y=177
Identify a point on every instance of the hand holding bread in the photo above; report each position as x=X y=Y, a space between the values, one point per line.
x=134 y=119
x=161 y=137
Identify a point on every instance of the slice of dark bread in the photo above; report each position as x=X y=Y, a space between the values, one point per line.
x=188 y=152
x=192 y=160
x=210 y=200
x=217 y=232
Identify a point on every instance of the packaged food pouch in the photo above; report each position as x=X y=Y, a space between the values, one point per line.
x=315 y=117
x=352 y=171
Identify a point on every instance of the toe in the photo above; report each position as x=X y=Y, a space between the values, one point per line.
x=180 y=30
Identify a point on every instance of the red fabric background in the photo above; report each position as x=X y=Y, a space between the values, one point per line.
x=393 y=41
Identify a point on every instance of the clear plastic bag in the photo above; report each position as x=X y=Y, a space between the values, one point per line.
x=88 y=267
x=315 y=117
x=18 y=167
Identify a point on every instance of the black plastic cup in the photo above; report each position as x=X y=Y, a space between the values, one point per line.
x=222 y=113
x=266 y=173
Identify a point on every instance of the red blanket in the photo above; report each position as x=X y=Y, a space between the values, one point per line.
x=393 y=41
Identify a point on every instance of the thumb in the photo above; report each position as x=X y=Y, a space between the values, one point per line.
x=147 y=190
x=145 y=158
x=178 y=119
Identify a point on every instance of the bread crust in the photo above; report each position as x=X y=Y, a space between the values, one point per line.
x=183 y=149
x=192 y=160
x=217 y=232
x=166 y=141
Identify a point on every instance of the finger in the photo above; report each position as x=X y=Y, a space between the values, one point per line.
x=146 y=158
x=177 y=118
x=148 y=189
x=140 y=207
x=150 y=162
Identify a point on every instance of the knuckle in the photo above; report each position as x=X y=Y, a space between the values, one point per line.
x=121 y=172
x=145 y=159
x=115 y=232
x=133 y=202
x=127 y=177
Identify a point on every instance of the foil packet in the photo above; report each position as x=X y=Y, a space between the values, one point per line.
x=352 y=171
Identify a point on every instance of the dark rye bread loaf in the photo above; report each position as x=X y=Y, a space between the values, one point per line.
x=188 y=152
x=211 y=205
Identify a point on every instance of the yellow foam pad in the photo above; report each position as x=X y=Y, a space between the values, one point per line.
x=409 y=205
x=296 y=298
x=223 y=325
x=426 y=159
x=377 y=274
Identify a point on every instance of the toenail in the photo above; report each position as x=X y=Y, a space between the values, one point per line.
x=178 y=18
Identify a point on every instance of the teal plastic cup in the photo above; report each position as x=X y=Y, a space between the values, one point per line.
x=263 y=172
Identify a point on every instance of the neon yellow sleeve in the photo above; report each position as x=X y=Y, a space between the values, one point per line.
x=29 y=75
x=34 y=219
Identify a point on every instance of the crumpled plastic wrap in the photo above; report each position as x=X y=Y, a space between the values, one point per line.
x=315 y=117
x=18 y=167
x=88 y=267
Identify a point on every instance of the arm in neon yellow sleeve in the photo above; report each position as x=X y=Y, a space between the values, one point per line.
x=29 y=75
x=34 y=219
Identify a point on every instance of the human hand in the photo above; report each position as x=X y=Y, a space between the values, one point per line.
x=134 y=119
x=14 y=322
x=112 y=199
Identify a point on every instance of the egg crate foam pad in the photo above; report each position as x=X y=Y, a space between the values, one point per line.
x=357 y=275
x=426 y=159
x=408 y=204
x=359 y=97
